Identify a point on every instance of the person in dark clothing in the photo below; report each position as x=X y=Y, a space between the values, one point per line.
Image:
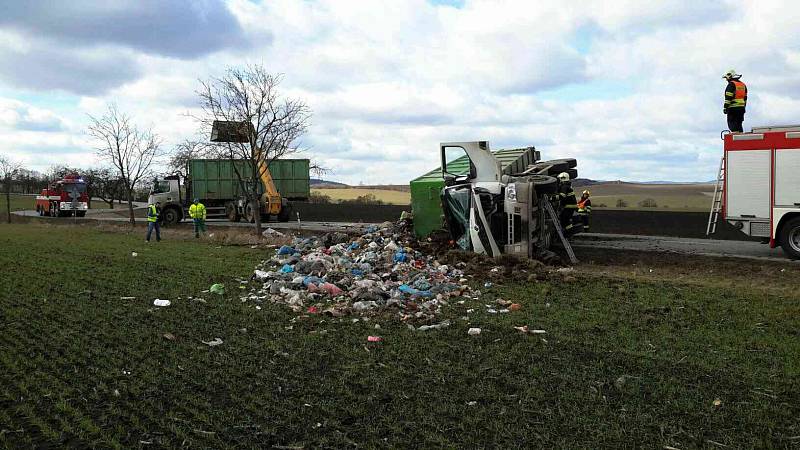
x=569 y=204
x=584 y=210
x=735 y=101
x=153 y=218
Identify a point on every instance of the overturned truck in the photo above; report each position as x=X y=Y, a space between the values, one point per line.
x=506 y=202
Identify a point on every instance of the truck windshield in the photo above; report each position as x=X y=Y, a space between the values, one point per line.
x=69 y=187
x=160 y=187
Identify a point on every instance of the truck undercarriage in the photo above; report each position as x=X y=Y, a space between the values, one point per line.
x=489 y=212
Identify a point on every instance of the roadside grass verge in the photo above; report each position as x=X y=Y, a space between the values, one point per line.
x=624 y=362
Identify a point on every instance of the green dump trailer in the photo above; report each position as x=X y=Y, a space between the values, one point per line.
x=215 y=180
x=215 y=183
x=426 y=190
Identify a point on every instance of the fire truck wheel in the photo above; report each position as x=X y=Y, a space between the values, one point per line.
x=544 y=184
x=790 y=238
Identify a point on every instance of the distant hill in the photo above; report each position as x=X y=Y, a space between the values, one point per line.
x=317 y=183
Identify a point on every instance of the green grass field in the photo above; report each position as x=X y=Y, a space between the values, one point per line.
x=18 y=202
x=626 y=362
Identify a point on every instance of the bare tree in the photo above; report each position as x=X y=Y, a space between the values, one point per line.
x=103 y=184
x=269 y=126
x=184 y=152
x=8 y=170
x=129 y=150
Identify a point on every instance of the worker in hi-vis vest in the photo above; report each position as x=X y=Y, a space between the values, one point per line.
x=735 y=101
x=584 y=209
x=198 y=214
x=153 y=217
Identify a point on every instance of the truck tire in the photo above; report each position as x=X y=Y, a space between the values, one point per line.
x=790 y=238
x=573 y=173
x=232 y=212
x=544 y=185
x=170 y=216
x=81 y=213
x=570 y=162
x=248 y=213
x=286 y=211
x=555 y=167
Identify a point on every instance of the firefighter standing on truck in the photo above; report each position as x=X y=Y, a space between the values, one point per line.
x=735 y=101
x=198 y=214
x=584 y=209
x=153 y=216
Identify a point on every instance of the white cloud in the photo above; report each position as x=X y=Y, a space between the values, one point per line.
x=631 y=88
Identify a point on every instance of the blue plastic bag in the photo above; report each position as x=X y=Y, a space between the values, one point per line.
x=285 y=250
x=287 y=268
x=400 y=257
x=406 y=289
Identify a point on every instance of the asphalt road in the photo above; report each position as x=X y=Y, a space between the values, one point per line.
x=320 y=226
x=685 y=246
x=663 y=244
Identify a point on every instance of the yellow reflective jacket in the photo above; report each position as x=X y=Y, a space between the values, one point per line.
x=197 y=211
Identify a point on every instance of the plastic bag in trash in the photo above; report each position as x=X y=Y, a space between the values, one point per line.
x=217 y=288
x=406 y=289
x=285 y=250
x=159 y=302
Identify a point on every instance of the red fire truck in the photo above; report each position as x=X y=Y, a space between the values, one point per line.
x=64 y=197
x=758 y=187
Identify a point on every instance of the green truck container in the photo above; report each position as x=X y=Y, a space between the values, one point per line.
x=426 y=190
x=215 y=179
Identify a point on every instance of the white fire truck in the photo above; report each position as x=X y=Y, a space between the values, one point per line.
x=758 y=187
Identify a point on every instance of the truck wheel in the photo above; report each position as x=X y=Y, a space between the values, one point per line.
x=556 y=167
x=248 y=214
x=81 y=213
x=544 y=184
x=573 y=174
x=790 y=238
x=286 y=211
x=231 y=212
x=171 y=216
x=570 y=162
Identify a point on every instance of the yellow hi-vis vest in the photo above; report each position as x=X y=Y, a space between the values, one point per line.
x=197 y=211
x=152 y=213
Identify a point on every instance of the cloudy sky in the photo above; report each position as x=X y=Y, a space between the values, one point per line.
x=631 y=88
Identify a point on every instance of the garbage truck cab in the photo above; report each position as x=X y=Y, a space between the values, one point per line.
x=491 y=212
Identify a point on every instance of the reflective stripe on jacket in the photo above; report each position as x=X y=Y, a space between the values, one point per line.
x=735 y=95
x=584 y=206
x=152 y=213
x=197 y=211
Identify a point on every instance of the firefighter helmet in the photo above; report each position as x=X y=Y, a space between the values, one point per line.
x=731 y=74
x=587 y=193
x=563 y=177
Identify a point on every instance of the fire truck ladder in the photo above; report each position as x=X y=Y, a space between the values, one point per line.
x=716 y=204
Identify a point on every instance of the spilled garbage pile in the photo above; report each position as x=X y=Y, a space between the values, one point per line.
x=378 y=272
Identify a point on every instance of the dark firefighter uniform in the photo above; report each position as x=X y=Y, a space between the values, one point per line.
x=735 y=102
x=584 y=209
x=569 y=205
